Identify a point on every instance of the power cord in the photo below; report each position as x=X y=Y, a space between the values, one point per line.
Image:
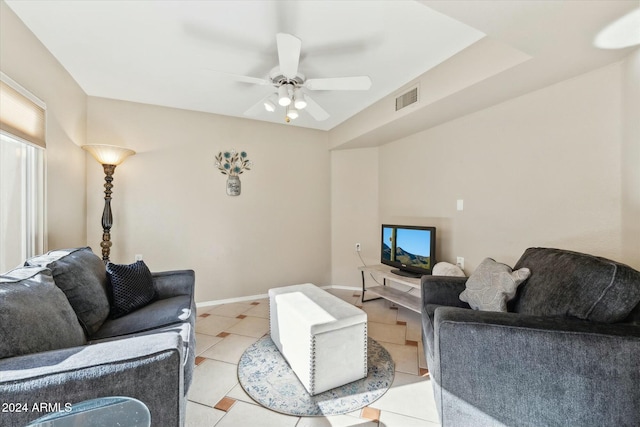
x=364 y=264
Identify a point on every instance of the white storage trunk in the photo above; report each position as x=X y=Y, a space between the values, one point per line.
x=323 y=338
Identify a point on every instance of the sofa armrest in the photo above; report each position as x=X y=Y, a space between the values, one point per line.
x=443 y=290
x=511 y=369
x=148 y=368
x=172 y=283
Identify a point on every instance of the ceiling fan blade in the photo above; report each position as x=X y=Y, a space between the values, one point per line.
x=339 y=83
x=249 y=79
x=288 y=54
x=244 y=79
x=316 y=111
x=258 y=107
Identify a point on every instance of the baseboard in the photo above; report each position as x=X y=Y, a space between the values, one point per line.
x=346 y=288
x=231 y=300
x=262 y=296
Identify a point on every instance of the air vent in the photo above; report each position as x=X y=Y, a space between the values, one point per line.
x=407 y=98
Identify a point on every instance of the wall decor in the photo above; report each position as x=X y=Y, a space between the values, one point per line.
x=233 y=164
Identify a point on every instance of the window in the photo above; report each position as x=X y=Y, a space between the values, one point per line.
x=22 y=165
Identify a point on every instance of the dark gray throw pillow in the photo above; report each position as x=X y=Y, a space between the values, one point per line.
x=131 y=287
x=566 y=283
x=35 y=315
x=82 y=277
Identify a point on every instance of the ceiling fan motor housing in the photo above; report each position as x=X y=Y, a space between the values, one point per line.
x=278 y=79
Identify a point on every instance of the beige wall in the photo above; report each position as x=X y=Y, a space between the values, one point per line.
x=631 y=159
x=170 y=205
x=543 y=169
x=354 y=213
x=28 y=62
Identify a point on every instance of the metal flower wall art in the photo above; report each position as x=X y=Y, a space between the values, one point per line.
x=233 y=164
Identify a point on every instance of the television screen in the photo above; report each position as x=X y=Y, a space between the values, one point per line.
x=409 y=248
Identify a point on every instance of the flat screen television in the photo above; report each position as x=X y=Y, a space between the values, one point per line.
x=410 y=249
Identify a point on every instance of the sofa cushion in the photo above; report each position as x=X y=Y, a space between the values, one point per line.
x=491 y=285
x=35 y=315
x=160 y=313
x=82 y=277
x=130 y=286
x=566 y=283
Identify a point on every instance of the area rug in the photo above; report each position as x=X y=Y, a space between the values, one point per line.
x=266 y=376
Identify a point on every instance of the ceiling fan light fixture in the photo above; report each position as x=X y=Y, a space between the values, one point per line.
x=269 y=106
x=283 y=96
x=292 y=113
x=299 y=101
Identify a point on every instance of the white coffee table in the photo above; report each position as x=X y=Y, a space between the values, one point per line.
x=323 y=338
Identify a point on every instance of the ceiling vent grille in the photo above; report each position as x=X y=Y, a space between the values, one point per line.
x=407 y=98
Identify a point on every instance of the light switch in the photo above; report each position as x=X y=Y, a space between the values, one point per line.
x=460 y=204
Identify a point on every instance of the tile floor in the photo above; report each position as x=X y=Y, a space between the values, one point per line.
x=223 y=333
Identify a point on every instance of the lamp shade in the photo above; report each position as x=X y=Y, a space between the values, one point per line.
x=299 y=102
x=283 y=95
x=292 y=113
x=108 y=154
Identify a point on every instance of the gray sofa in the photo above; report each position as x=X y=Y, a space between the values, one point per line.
x=567 y=352
x=59 y=346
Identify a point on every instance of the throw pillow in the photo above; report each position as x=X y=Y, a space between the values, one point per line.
x=82 y=277
x=491 y=285
x=573 y=284
x=35 y=316
x=447 y=269
x=131 y=287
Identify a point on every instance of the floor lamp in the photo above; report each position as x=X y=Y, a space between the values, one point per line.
x=109 y=156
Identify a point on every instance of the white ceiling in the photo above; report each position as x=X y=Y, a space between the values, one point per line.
x=176 y=53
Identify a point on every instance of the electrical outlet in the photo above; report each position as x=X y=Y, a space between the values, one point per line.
x=138 y=257
x=460 y=262
x=358 y=247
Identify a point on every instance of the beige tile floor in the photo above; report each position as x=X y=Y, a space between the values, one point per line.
x=223 y=333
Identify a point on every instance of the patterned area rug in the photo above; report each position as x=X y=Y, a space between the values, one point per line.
x=266 y=376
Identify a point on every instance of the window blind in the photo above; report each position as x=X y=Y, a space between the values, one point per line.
x=20 y=115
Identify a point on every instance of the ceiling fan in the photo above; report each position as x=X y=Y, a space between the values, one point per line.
x=291 y=85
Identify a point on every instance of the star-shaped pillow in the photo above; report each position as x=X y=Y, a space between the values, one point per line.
x=491 y=285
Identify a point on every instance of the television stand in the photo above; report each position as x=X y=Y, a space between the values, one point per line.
x=405 y=273
x=410 y=299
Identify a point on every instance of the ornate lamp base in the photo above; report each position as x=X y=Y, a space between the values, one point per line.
x=107 y=216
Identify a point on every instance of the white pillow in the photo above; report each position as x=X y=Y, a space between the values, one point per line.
x=447 y=269
x=491 y=285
